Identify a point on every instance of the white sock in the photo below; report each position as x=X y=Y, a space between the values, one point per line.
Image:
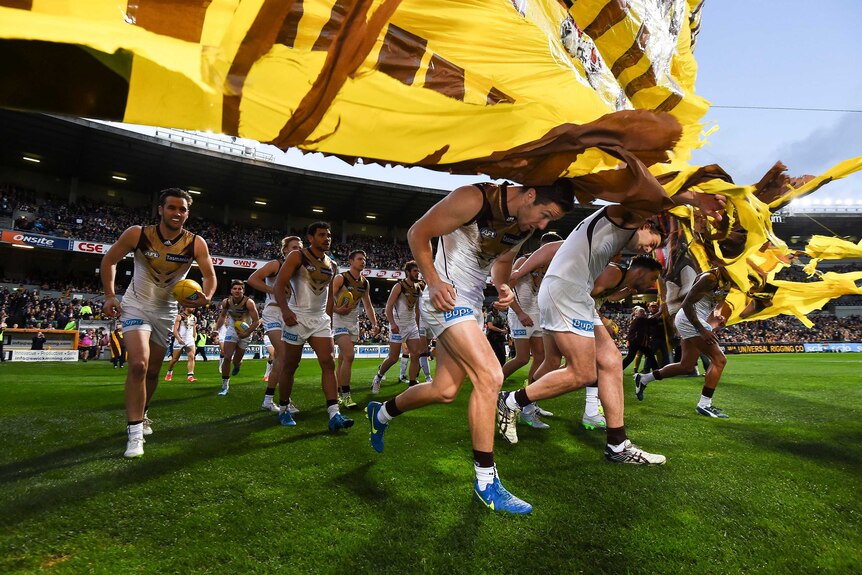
x=510 y=401
x=225 y=382
x=383 y=416
x=136 y=431
x=426 y=368
x=405 y=361
x=485 y=476
x=704 y=401
x=617 y=448
x=647 y=377
x=332 y=410
x=170 y=372
x=268 y=369
x=267 y=399
x=591 y=407
x=529 y=409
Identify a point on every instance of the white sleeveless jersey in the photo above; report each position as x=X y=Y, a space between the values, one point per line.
x=270 y=282
x=588 y=250
x=187 y=328
x=310 y=284
x=404 y=311
x=159 y=264
x=465 y=255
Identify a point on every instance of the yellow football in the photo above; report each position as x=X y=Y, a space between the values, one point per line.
x=344 y=299
x=187 y=291
x=241 y=326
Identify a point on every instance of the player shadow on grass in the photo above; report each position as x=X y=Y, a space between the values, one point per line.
x=232 y=435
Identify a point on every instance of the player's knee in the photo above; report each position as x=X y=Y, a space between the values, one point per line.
x=447 y=394
x=579 y=378
x=719 y=361
x=137 y=368
x=490 y=377
x=327 y=362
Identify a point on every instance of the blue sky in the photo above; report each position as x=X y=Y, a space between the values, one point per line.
x=790 y=54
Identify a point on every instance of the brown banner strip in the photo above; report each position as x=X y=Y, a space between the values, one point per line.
x=445 y=78
x=19 y=4
x=352 y=45
x=669 y=103
x=612 y=14
x=331 y=28
x=401 y=54
x=181 y=20
x=495 y=96
x=257 y=42
x=634 y=53
x=287 y=34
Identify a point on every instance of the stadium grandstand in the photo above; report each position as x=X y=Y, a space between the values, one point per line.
x=69 y=186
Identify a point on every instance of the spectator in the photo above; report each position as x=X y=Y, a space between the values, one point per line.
x=38 y=341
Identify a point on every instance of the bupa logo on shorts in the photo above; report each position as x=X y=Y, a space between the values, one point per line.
x=131 y=322
x=519 y=332
x=271 y=326
x=456 y=313
x=290 y=336
x=488 y=233
x=582 y=325
x=151 y=254
x=178 y=258
x=340 y=330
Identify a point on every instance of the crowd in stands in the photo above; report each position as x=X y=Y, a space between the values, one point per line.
x=97 y=221
x=27 y=309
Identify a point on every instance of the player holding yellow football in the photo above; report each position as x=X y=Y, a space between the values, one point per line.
x=350 y=288
x=239 y=314
x=163 y=255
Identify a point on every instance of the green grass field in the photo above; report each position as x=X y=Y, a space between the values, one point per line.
x=223 y=489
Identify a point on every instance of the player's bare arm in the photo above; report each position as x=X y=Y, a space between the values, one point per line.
x=288 y=268
x=335 y=287
x=449 y=214
x=208 y=275
x=501 y=270
x=540 y=257
x=256 y=280
x=390 y=307
x=126 y=243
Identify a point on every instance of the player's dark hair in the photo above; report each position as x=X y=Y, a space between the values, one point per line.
x=561 y=192
x=175 y=193
x=645 y=262
x=237 y=282
x=550 y=237
x=312 y=229
x=410 y=266
x=354 y=253
x=655 y=227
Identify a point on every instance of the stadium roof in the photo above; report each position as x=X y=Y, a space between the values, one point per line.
x=92 y=151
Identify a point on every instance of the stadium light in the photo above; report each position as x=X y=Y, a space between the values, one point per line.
x=260 y=202
x=31 y=159
x=370 y=217
x=119 y=178
x=317 y=210
x=23 y=247
x=194 y=191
